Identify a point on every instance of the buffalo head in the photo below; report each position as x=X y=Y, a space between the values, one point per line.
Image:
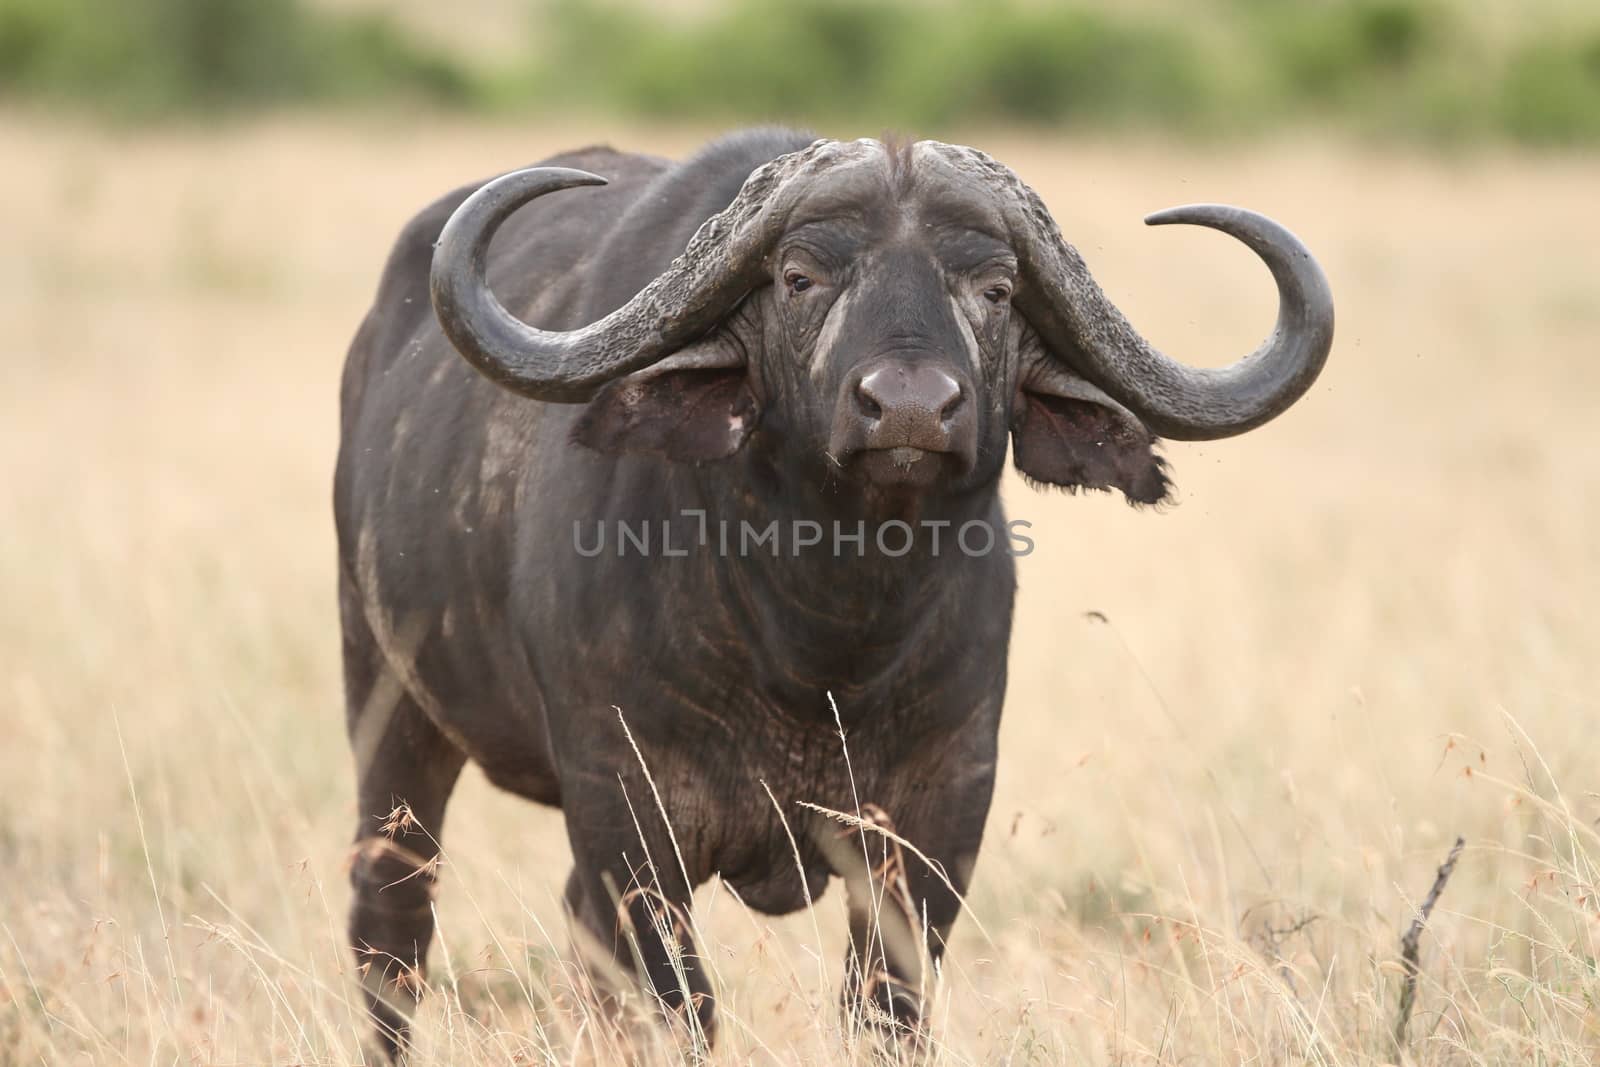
x=887 y=315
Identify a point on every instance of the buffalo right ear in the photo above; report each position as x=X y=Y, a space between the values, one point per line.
x=695 y=405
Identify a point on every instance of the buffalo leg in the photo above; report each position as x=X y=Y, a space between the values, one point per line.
x=642 y=920
x=405 y=770
x=900 y=914
x=883 y=967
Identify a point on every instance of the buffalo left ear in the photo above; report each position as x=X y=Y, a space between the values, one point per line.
x=694 y=405
x=1069 y=433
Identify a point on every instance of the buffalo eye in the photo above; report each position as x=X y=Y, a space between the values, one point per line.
x=997 y=294
x=797 y=282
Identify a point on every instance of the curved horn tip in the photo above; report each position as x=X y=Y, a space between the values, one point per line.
x=1198 y=404
x=1202 y=214
x=569 y=175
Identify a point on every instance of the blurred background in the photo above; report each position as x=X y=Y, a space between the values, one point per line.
x=1435 y=70
x=1241 y=732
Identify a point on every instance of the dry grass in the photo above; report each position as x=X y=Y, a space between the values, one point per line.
x=1366 y=629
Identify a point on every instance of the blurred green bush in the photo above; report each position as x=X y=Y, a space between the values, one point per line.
x=1552 y=90
x=897 y=60
x=1406 y=68
x=155 y=57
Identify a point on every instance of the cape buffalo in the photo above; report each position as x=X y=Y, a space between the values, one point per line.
x=671 y=560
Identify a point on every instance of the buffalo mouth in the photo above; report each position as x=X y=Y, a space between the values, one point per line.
x=902 y=467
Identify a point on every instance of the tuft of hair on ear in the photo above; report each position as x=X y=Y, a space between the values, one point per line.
x=1155 y=489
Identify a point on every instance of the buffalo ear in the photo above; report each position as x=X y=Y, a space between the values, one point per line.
x=1067 y=432
x=696 y=405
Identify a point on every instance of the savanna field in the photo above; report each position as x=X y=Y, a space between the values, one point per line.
x=1241 y=733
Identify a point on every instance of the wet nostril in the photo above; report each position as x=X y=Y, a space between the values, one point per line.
x=866 y=402
x=953 y=405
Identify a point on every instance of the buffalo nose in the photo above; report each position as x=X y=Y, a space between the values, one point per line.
x=909 y=393
x=910 y=410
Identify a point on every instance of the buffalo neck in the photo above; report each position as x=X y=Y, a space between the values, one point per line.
x=849 y=612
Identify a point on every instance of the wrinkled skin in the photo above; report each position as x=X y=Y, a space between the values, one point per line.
x=473 y=629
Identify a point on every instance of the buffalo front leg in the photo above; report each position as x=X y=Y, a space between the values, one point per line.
x=883 y=982
x=901 y=910
x=405 y=772
x=636 y=919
